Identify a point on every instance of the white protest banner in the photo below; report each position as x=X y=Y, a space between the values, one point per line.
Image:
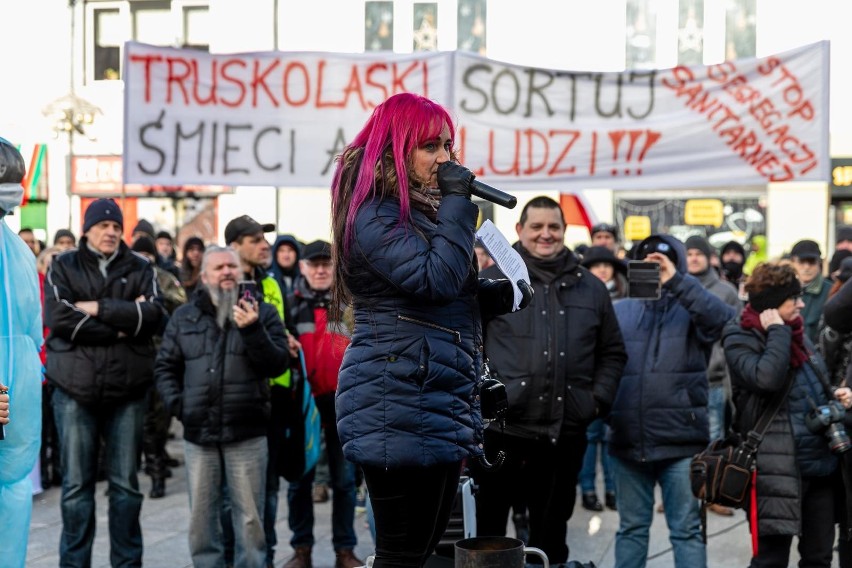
x=279 y=118
x=266 y=118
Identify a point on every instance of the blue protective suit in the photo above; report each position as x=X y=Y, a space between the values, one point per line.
x=20 y=370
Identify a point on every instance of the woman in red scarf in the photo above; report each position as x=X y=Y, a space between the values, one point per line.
x=766 y=351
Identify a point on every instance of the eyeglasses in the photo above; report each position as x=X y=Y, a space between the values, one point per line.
x=797 y=297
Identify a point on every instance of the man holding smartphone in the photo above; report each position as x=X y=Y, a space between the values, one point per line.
x=248 y=238
x=659 y=417
x=212 y=371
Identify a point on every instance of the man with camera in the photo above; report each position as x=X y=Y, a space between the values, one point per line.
x=659 y=417
x=213 y=369
x=560 y=360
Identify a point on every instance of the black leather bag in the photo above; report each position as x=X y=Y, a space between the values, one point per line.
x=723 y=473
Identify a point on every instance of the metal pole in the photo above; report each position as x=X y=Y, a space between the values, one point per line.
x=68 y=177
x=278 y=187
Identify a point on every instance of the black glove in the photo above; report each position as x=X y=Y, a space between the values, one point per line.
x=499 y=296
x=526 y=294
x=454 y=179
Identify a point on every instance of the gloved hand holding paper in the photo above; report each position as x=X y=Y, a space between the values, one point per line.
x=505 y=257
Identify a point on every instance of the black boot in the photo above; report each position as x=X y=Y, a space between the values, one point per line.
x=158 y=487
x=591 y=502
x=609 y=499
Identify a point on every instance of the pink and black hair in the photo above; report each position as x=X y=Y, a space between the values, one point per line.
x=396 y=128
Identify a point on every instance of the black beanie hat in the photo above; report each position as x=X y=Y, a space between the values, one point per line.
x=701 y=244
x=64 y=233
x=773 y=296
x=836 y=259
x=735 y=246
x=103 y=209
x=144 y=244
x=144 y=226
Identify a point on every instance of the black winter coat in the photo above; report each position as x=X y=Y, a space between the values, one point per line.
x=759 y=365
x=214 y=380
x=837 y=310
x=560 y=358
x=108 y=358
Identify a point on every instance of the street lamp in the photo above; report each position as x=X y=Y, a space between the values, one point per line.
x=69 y=115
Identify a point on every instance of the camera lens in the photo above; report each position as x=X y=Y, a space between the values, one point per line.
x=838 y=439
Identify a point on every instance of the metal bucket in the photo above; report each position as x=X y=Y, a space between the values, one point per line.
x=495 y=552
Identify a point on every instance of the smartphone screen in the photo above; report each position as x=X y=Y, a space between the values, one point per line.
x=247 y=290
x=643 y=280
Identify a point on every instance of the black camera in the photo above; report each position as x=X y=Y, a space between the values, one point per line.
x=494 y=403
x=828 y=420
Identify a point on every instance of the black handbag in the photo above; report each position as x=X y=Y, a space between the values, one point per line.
x=723 y=473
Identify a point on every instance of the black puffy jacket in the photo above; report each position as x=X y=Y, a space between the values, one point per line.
x=110 y=357
x=759 y=364
x=214 y=380
x=562 y=357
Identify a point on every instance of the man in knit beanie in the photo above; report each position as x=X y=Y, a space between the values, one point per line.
x=102 y=306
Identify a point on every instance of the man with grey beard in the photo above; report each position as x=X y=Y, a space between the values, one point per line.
x=213 y=369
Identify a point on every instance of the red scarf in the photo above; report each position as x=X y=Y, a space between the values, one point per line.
x=798 y=352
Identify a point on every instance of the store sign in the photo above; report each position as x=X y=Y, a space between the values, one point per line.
x=704 y=212
x=841 y=177
x=101 y=176
x=281 y=118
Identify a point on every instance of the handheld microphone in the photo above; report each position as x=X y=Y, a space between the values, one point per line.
x=492 y=194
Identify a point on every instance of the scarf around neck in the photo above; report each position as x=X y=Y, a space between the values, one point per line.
x=798 y=352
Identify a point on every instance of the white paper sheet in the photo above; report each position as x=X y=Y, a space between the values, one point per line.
x=505 y=257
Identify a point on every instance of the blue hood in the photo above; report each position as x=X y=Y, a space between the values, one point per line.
x=677 y=246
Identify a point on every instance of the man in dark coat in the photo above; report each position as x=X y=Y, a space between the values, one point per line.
x=807 y=260
x=103 y=308
x=560 y=360
x=213 y=369
x=659 y=417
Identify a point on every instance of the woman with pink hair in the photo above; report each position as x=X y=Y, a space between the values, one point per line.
x=408 y=408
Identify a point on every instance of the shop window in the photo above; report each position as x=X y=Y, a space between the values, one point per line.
x=378 y=26
x=152 y=23
x=108 y=41
x=110 y=23
x=196 y=27
x=471 y=26
x=425 y=26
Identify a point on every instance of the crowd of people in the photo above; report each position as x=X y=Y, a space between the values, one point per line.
x=394 y=323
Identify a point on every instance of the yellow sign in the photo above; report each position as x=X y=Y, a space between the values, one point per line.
x=637 y=228
x=704 y=212
x=841 y=176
